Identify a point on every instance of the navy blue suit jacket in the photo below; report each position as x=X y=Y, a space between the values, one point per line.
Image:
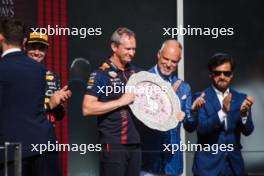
x=211 y=131
x=22 y=115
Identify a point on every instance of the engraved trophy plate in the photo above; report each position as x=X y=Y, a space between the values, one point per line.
x=155 y=104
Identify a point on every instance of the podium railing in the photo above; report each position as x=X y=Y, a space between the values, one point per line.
x=17 y=157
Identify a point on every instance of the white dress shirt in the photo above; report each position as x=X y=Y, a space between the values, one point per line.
x=221 y=114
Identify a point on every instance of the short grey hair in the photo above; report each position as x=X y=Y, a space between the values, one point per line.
x=170 y=40
x=115 y=38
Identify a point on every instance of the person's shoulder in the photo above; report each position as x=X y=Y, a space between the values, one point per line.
x=237 y=93
x=21 y=58
x=97 y=73
x=152 y=69
x=31 y=61
x=105 y=66
x=101 y=70
x=205 y=91
x=184 y=84
x=197 y=94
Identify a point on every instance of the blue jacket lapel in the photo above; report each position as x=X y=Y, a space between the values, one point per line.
x=213 y=99
x=234 y=110
x=236 y=101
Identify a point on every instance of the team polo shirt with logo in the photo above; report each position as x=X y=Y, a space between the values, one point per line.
x=107 y=84
x=53 y=85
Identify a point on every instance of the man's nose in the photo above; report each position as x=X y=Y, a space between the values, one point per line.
x=37 y=51
x=169 y=63
x=222 y=75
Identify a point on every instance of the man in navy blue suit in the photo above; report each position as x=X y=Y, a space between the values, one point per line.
x=22 y=90
x=225 y=115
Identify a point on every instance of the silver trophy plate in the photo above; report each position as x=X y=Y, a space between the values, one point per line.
x=155 y=104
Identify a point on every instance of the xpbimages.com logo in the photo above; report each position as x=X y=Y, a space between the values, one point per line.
x=117 y=89
x=50 y=147
x=189 y=147
x=82 y=32
x=214 y=32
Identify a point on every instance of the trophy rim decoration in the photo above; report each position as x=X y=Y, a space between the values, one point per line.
x=172 y=122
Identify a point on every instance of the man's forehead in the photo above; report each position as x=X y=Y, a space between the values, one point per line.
x=224 y=66
x=127 y=37
x=128 y=40
x=172 y=53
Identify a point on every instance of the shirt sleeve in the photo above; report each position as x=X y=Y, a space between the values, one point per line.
x=95 y=84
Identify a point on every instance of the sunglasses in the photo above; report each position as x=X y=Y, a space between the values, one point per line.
x=226 y=73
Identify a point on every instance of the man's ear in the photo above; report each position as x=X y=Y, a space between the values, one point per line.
x=114 y=47
x=1 y=37
x=158 y=54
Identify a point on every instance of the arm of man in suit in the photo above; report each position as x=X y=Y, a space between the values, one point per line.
x=207 y=123
x=190 y=121
x=246 y=122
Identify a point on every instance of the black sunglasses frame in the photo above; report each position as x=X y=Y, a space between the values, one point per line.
x=218 y=73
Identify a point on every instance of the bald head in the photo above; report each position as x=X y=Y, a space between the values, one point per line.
x=169 y=56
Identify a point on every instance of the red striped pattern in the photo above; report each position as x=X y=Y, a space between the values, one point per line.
x=124 y=125
x=64 y=79
x=48 y=22
x=52 y=13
